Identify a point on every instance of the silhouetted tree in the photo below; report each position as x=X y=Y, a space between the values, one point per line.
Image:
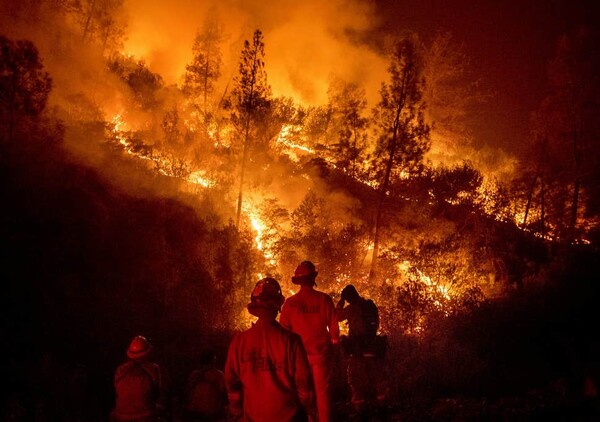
x=563 y=160
x=205 y=68
x=143 y=82
x=451 y=94
x=24 y=84
x=251 y=98
x=457 y=184
x=403 y=133
x=348 y=102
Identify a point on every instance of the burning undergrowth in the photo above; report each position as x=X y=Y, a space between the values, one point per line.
x=173 y=201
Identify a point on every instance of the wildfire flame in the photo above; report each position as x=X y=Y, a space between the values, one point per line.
x=290 y=148
x=258 y=223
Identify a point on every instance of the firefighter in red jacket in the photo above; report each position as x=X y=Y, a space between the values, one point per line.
x=365 y=351
x=205 y=392
x=267 y=373
x=311 y=314
x=138 y=385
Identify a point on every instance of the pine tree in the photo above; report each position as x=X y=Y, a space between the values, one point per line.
x=251 y=99
x=403 y=134
x=348 y=102
x=205 y=68
x=24 y=84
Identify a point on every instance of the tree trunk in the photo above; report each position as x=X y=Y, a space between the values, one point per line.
x=206 y=81
x=242 y=171
x=89 y=20
x=576 y=185
x=530 y=195
x=382 y=195
x=543 y=211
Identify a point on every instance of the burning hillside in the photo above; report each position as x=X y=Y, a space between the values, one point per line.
x=188 y=176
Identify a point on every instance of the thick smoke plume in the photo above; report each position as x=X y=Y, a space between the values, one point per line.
x=306 y=42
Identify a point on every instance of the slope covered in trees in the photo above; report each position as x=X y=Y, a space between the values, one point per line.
x=140 y=237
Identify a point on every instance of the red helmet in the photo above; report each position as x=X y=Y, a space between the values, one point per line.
x=139 y=347
x=266 y=295
x=305 y=273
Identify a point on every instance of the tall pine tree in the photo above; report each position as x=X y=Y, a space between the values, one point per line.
x=403 y=134
x=250 y=100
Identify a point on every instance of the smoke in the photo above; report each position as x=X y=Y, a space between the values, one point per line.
x=305 y=42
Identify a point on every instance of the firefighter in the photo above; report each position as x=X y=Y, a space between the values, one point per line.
x=365 y=351
x=267 y=373
x=311 y=314
x=206 y=395
x=138 y=385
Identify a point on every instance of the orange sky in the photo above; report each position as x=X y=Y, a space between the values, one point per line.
x=305 y=42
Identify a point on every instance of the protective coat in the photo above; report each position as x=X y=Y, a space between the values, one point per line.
x=311 y=314
x=267 y=375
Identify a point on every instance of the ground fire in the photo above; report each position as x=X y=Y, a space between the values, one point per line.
x=160 y=166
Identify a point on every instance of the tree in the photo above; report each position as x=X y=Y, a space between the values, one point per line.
x=251 y=99
x=99 y=19
x=563 y=163
x=347 y=102
x=24 y=84
x=451 y=95
x=170 y=127
x=457 y=184
x=403 y=134
x=144 y=83
x=205 y=68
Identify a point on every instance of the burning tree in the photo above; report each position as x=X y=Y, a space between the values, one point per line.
x=251 y=99
x=403 y=133
x=205 y=69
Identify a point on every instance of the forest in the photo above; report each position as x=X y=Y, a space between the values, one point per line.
x=132 y=205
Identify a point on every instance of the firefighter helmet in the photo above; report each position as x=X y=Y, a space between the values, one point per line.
x=305 y=273
x=266 y=295
x=139 y=347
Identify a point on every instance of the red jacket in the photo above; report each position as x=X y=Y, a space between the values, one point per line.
x=267 y=374
x=137 y=385
x=311 y=314
x=205 y=392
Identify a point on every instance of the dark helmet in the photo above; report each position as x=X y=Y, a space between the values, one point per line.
x=305 y=273
x=139 y=347
x=266 y=295
x=349 y=293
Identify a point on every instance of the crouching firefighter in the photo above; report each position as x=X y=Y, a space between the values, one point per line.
x=267 y=373
x=365 y=351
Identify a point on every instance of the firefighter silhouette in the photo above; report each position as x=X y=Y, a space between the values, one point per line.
x=137 y=385
x=267 y=374
x=205 y=393
x=365 y=351
x=311 y=314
